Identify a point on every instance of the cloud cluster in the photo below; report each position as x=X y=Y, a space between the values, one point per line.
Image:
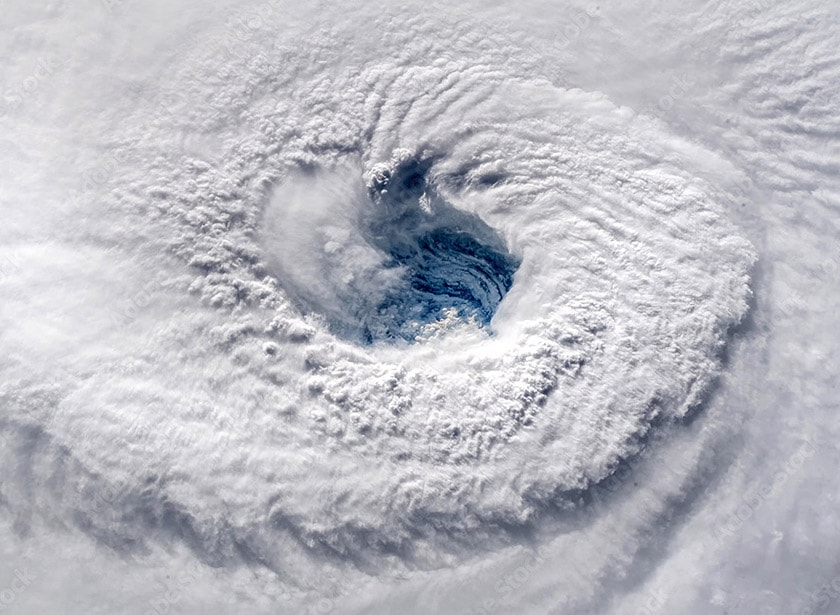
x=352 y=303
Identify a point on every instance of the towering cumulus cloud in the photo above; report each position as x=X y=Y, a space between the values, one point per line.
x=338 y=295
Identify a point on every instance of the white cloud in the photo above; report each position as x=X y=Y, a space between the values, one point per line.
x=190 y=225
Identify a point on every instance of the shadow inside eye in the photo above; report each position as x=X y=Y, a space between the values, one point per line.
x=453 y=263
x=491 y=179
x=446 y=269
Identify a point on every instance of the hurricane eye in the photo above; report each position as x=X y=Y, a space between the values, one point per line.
x=399 y=264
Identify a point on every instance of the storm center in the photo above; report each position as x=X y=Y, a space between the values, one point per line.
x=399 y=264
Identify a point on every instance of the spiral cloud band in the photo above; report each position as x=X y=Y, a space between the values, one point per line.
x=366 y=294
x=628 y=281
